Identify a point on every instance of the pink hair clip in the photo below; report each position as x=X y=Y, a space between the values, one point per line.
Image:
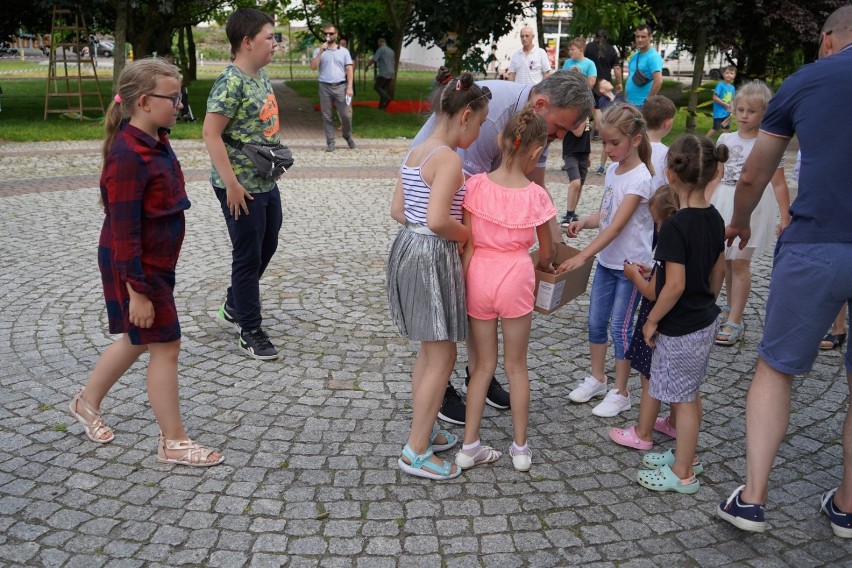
x=117 y=98
x=458 y=84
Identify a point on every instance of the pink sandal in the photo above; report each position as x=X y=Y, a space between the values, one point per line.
x=664 y=426
x=196 y=455
x=94 y=429
x=627 y=437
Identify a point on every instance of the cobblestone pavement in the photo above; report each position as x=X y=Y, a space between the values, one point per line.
x=311 y=441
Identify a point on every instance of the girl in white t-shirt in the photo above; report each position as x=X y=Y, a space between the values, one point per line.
x=750 y=104
x=626 y=232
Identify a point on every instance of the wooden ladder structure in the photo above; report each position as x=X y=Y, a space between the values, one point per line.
x=69 y=30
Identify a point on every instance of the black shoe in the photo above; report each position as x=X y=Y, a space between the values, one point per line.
x=567 y=219
x=329 y=147
x=351 y=143
x=496 y=396
x=226 y=314
x=452 y=409
x=256 y=343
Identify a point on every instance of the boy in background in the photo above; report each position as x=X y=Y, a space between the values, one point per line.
x=659 y=113
x=723 y=100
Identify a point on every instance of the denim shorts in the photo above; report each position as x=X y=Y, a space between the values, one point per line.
x=612 y=302
x=810 y=283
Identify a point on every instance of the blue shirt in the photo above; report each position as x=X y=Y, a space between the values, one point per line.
x=332 y=64
x=808 y=105
x=649 y=63
x=586 y=66
x=725 y=92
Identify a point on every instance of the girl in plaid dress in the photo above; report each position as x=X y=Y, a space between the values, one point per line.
x=144 y=197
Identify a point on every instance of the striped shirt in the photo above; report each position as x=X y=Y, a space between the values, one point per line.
x=416 y=192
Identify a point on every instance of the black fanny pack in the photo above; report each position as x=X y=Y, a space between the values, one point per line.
x=271 y=160
x=639 y=78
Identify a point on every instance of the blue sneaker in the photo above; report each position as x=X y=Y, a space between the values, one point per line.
x=841 y=523
x=744 y=516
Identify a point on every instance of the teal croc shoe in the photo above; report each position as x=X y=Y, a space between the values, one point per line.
x=421 y=466
x=664 y=479
x=656 y=461
x=451 y=439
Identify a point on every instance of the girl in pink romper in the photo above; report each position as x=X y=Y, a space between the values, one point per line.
x=505 y=212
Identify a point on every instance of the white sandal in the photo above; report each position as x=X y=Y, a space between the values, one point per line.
x=196 y=455
x=94 y=429
x=485 y=454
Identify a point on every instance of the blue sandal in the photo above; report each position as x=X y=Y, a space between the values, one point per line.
x=656 y=461
x=420 y=465
x=664 y=479
x=730 y=337
x=452 y=439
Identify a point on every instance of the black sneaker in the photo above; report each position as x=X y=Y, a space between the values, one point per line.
x=841 y=523
x=496 y=396
x=256 y=343
x=452 y=409
x=227 y=315
x=568 y=219
x=351 y=143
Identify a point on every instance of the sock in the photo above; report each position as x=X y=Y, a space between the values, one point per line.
x=470 y=448
x=518 y=448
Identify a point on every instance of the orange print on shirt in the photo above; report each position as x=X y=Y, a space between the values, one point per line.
x=270 y=110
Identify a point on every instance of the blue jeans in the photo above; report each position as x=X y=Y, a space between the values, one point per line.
x=254 y=238
x=612 y=302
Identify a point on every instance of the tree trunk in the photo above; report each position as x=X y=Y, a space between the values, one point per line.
x=400 y=12
x=121 y=10
x=192 y=69
x=539 y=22
x=697 y=74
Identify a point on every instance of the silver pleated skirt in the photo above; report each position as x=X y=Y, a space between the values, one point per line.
x=426 y=286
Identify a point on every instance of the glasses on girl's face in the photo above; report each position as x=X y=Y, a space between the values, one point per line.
x=174 y=98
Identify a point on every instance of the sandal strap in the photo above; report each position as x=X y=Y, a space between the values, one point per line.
x=423 y=461
x=436 y=431
x=97 y=426
x=195 y=452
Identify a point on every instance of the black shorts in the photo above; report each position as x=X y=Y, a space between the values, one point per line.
x=577 y=166
x=717 y=123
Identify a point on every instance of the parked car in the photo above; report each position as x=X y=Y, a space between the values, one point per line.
x=105 y=48
x=681 y=62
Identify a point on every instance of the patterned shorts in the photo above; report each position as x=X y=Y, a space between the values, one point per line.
x=679 y=364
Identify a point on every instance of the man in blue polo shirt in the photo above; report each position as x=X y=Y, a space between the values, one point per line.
x=812 y=271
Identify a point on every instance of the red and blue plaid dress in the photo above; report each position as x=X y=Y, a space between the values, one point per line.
x=144 y=198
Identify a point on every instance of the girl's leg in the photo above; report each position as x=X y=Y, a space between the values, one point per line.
x=729 y=274
x=516 y=339
x=113 y=363
x=434 y=364
x=740 y=289
x=625 y=300
x=483 y=337
x=163 y=394
x=649 y=409
x=601 y=302
x=688 y=426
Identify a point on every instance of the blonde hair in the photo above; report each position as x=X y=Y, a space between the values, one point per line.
x=629 y=121
x=521 y=133
x=663 y=204
x=755 y=90
x=137 y=78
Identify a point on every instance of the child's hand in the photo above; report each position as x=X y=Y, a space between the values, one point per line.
x=545 y=268
x=236 y=197
x=141 y=311
x=571 y=264
x=649 y=330
x=574 y=228
x=632 y=271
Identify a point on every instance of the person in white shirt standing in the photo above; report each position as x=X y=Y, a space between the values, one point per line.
x=530 y=63
x=335 y=85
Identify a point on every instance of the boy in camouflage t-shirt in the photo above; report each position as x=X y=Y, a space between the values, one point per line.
x=243 y=106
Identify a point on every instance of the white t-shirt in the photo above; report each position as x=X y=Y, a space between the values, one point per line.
x=634 y=241
x=658 y=159
x=529 y=67
x=738 y=150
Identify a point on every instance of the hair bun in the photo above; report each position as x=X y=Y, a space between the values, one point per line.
x=444 y=76
x=466 y=79
x=721 y=153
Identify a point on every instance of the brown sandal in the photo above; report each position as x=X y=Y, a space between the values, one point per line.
x=196 y=455
x=94 y=429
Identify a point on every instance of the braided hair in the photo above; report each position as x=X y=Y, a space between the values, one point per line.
x=523 y=132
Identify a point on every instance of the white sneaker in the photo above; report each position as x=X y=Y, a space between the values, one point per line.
x=588 y=389
x=613 y=404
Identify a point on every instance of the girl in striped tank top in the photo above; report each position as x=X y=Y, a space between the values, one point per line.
x=425 y=283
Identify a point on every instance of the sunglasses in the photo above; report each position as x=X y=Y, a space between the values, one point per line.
x=175 y=99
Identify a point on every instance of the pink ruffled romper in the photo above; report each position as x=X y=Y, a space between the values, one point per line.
x=500 y=281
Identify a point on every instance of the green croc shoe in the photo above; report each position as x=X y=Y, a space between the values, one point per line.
x=653 y=460
x=664 y=479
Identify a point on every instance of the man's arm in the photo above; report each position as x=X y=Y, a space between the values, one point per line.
x=315 y=61
x=758 y=170
x=658 y=83
x=349 y=78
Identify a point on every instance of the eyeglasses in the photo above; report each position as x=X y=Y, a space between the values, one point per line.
x=174 y=98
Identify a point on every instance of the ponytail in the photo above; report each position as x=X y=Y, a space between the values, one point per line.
x=629 y=121
x=112 y=124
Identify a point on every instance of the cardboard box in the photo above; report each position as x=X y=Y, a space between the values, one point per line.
x=553 y=291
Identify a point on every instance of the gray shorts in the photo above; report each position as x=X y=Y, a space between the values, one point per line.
x=810 y=283
x=577 y=166
x=679 y=364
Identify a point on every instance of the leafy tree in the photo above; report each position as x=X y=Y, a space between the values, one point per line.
x=473 y=21
x=619 y=19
